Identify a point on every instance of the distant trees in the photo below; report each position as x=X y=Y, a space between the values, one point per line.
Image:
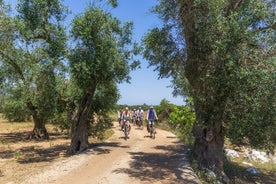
x=222 y=54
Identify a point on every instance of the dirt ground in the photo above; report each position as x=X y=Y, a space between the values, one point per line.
x=139 y=159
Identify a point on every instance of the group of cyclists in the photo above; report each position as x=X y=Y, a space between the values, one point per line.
x=136 y=117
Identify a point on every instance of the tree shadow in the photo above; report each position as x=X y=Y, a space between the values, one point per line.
x=20 y=137
x=170 y=166
x=123 y=137
x=149 y=137
x=102 y=148
x=139 y=128
x=27 y=151
x=31 y=154
x=14 y=137
x=172 y=137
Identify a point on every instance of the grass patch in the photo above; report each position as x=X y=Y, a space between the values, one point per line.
x=108 y=133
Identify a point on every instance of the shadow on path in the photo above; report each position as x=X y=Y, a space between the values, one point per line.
x=170 y=166
x=103 y=148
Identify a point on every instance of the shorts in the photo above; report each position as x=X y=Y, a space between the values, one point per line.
x=151 y=121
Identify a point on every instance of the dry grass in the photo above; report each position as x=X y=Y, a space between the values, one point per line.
x=19 y=156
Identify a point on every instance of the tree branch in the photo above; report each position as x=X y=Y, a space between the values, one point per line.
x=233 y=5
x=14 y=65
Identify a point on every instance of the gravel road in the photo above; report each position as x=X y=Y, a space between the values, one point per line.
x=137 y=160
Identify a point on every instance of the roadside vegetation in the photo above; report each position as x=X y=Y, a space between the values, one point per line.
x=179 y=120
x=63 y=83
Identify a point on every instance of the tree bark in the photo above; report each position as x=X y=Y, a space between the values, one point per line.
x=209 y=135
x=209 y=100
x=79 y=129
x=39 y=131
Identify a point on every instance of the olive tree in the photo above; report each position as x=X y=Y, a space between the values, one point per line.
x=215 y=50
x=100 y=58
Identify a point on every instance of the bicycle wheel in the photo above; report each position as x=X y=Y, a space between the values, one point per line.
x=126 y=132
x=141 y=124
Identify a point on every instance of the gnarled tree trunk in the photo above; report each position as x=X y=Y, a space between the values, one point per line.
x=208 y=92
x=39 y=131
x=209 y=135
x=79 y=129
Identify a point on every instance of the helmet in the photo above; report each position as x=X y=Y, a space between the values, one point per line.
x=151 y=107
x=126 y=108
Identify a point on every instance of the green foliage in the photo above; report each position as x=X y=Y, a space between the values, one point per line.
x=255 y=124
x=14 y=108
x=182 y=120
x=105 y=98
x=164 y=110
x=226 y=53
x=99 y=125
x=32 y=45
x=100 y=59
x=143 y=106
x=100 y=54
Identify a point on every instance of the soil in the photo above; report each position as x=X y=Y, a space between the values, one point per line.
x=137 y=160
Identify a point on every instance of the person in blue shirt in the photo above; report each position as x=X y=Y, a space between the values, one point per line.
x=151 y=116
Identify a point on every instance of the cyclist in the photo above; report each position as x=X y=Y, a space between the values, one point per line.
x=120 y=118
x=151 y=116
x=126 y=119
x=133 y=116
x=139 y=114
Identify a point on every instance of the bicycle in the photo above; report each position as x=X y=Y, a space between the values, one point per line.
x=126 y=129
x=120 y=123
x=139 y=123
x=152 y=131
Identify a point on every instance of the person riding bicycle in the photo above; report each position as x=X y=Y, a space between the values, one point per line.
x=151 y=116
x=126 y=119
x=120 y=117
x=133 y=116
x=139 y=114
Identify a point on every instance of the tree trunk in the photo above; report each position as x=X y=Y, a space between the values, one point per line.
x=79 y=129
x=209 y=135
x=208 y=93
x=39 y=131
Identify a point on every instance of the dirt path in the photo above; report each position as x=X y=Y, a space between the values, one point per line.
x=137 y=160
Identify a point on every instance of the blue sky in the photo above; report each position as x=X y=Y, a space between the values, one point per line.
x=145 y=86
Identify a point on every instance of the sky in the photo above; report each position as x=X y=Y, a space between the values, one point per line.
x=145 y=86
